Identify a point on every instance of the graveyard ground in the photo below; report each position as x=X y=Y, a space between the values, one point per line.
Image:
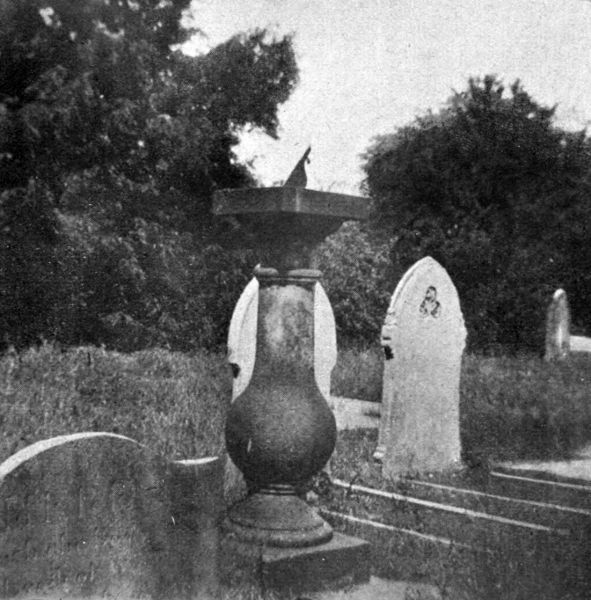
x=512 y=407
x=453 y=530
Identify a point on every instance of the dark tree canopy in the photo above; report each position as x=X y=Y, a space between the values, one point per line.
x=111 y=144
x=491 y=188
x=95 y=85
x=37 y=34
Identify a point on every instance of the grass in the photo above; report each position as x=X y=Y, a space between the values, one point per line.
x=524 y=408
x=511 y=569
x=176 y=404
x=358 y=374
x=173 y=403
x=511 y=407
x=495 y=564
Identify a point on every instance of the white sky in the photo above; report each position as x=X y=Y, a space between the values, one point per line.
x=369 y=67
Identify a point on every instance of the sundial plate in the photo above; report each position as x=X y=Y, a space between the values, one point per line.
x=290 y=200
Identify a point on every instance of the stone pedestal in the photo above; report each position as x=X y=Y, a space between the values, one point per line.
x=280 y=431
x=342 y=562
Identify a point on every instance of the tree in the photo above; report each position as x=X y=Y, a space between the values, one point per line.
x=125 y=139
x=356 y=276
x=492 y=189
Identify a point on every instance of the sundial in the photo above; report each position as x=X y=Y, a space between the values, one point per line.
x=289 y=221
x=280 y=431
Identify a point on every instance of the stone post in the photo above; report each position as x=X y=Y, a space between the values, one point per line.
x=280 y=431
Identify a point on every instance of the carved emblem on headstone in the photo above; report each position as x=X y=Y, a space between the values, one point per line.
x=430 y=306
x=423 y=346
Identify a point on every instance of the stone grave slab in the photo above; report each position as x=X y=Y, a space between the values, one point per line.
x=423 y=339
x=97 y=513
x=351 y=413
x=580 y=343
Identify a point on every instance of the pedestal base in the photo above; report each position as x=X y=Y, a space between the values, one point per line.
x=276 y=519
x=339 y=563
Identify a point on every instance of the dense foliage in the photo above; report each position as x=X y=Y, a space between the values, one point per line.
x=499 y=195
x=112 y=142
x=357 y=277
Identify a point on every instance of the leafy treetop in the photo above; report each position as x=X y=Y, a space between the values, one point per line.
x=111 y=144
x=491 y=188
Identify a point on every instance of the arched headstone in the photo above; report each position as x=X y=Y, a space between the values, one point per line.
x=242 y=338
x=558 y=327
x=423 y=339
x=97 y=513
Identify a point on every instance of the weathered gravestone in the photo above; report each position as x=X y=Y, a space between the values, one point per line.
x=243 y=331
x=423 y=339
x=558 y=327
x=97 y=513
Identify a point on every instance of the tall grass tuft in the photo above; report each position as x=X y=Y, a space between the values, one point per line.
x=358 y=374
x=510 y=407
x=518 y=407
x=524 y=407
x=173 y=403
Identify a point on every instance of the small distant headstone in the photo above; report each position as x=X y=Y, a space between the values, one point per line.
x=98 y=514
x=243 y=331
x=558 y=327
x=423 y=339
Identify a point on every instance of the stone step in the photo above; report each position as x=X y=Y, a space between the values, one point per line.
x=534 y=486
x=462 y=525
x=465 y=571
x=400 y=553
x=542 y=513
